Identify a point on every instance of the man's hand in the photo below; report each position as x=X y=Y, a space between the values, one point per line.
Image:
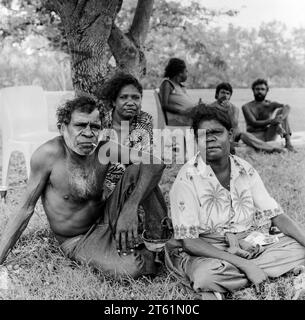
x=255 y=274
x=126 y=235
x=278 y=119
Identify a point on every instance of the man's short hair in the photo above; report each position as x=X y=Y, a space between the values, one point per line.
x=203 y=112
x=83 y=104
x=174 y=67
x=111 y=88
x=225 y=86
x=259 y=81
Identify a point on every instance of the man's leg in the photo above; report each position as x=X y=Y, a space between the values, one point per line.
x=258 y=144
x=283 y=129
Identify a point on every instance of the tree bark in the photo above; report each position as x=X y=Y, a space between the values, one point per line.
x=91 y=31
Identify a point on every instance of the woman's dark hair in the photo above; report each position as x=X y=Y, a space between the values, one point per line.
x=174 y=67
x=260 y=81
x=225 y=86
x=111 y=88
x=204 y=112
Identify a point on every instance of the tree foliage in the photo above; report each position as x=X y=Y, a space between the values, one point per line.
x=31 y=32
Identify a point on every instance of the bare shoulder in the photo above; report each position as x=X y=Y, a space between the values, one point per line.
x=247 y=105
x=49 y=152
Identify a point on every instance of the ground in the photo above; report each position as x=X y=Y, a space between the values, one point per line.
x=38 y=269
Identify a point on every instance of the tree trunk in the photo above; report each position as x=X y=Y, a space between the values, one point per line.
x=93 y=38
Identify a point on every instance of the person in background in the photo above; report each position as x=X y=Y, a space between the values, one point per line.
x=223 y=95
x=176 y=103
x=266 y=119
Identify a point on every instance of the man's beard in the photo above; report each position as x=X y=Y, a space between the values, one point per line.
x=259 y=97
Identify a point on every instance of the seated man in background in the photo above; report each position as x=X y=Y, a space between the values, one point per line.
x=68 y=173
x=223 y=95
x=221 y=214
x=176 y=103
x=267 y=119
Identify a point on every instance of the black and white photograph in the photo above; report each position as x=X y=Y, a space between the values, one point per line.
x=152 y=150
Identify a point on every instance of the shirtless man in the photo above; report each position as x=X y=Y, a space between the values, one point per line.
x=267 y=119
x=68 y=175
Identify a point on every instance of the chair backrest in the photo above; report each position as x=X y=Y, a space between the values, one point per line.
x=161 y=119
x=23 y=111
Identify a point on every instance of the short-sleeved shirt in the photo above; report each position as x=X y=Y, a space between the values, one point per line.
x=140 y=138
x=201 y=205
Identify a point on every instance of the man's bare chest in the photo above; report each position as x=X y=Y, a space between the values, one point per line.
x=261 y=112
x=78 y=183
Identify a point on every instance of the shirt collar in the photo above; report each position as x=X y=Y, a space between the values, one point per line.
x=237 y=168
x=200 y=167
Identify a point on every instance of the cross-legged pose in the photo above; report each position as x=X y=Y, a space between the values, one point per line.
x=221 y=214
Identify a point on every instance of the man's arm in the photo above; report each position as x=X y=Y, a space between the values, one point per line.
x=40 y=171
x=127 y=224
x=285 y=109
x=289 y=227
x=150 y=172
x=251 y=120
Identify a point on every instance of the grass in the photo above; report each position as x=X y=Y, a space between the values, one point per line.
x=39 y=270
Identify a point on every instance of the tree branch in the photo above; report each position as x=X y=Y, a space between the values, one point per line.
x=80 y=6
x=118 y=42
x=140 y=23
x=119 y=7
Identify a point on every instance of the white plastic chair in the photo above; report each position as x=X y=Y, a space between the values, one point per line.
x=180 y=132
x=24 y=123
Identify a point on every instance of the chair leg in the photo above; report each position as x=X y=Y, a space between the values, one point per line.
x=6 y=154
x=27 y=157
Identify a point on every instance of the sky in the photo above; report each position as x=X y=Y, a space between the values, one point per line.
x=253 y=12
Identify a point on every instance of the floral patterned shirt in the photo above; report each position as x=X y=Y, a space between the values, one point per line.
x=201 y=205
x=140 y=138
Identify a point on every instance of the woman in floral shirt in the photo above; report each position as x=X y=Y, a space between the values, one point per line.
x=221 y=214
